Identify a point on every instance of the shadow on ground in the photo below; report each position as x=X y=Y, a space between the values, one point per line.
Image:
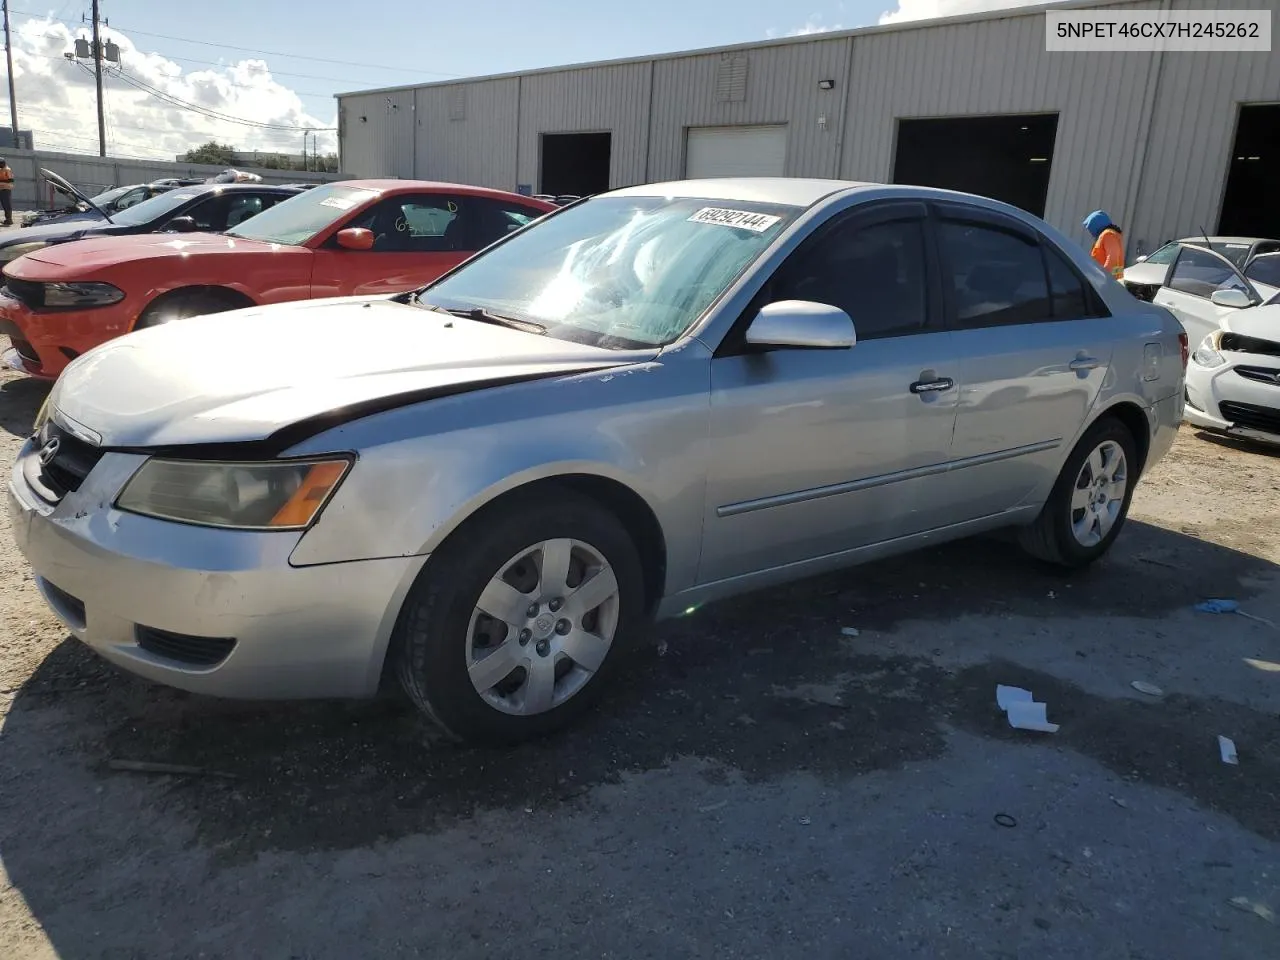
x=340 y=775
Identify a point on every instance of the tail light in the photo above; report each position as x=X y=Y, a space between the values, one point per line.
x=1186 y=348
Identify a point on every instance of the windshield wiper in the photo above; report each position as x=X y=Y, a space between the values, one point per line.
x=481 y=315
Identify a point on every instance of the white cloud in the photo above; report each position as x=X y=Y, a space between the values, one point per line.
x=56 y=100
x=930 y=9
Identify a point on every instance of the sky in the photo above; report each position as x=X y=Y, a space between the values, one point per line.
x=258 y=73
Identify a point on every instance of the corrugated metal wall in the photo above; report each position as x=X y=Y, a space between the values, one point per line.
x=594 y=100
x=1146 y=136
x=468 y=132
x=376 y=132
x=782 y=87
x=1000 y=66
x=1183 y=177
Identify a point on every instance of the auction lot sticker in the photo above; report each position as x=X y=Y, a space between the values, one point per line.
x=742 y=219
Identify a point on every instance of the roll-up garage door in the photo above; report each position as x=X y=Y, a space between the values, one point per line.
x=736 y=152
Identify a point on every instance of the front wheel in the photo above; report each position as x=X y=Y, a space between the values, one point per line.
x=519 y=619
x=1090 y=500
x=179 y=306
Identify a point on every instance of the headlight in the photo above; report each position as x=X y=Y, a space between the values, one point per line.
x=1207 y=354
x=81 y=294
x=284 y=495
x=20 y=249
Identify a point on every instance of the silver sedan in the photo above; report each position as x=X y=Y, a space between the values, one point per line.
x=642 y=402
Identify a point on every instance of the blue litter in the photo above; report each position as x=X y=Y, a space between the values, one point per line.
x=1218 y=606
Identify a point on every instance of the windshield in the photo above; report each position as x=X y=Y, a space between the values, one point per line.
x=115 y=193
x=158 y=206
x=298 y=219
x=618 y=272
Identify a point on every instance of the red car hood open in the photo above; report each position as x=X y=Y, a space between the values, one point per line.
x=84 y=256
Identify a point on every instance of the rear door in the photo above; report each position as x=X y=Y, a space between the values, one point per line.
x=1034 y=343
x=1188 y=292
x=417 y=237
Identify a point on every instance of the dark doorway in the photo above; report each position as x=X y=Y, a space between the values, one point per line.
x=1251 y=204
x=1006 y=158
x=575 y=163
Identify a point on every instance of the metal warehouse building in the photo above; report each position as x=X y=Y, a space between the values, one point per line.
x=1169 y=143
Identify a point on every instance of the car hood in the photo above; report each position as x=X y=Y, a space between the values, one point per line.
x=243 y=376
x=57 y=230
x=1263 y=323
x=98 y=252
x=1146 y=273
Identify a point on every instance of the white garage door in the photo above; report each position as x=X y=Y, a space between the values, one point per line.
x=736 y=152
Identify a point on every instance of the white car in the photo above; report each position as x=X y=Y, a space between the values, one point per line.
x=1233 y=379
x=1203 y=288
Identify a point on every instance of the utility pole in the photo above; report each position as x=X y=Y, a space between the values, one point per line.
x=13 y=97
x=305 y=165
x=97 y=76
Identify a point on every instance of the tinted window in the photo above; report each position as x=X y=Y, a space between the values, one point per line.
x=495 y=219
x=876 y=274
x=1200 y=273
x=1069 y=299
x=210 y=215
x=1237 y=253
x=1265 y=270
x=995 y=277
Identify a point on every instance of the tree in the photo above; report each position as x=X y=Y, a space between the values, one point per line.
x=218 y=154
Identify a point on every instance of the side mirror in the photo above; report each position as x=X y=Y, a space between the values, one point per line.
x=1236 y=299
x=802 y=323
x=182 y=225
x=1140 y=259
x=355 y=238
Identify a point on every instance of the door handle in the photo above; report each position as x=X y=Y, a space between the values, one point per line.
x=932 y=386
x=1084 y=363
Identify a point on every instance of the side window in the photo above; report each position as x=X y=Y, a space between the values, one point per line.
x=242 y=206
x=1070 y=302
x=1265 y=270
x=1200 y=273
x=995 y=278
x=210 y=215
x=874 y=273
x=495 y=219
x=136 y=195
x=1164 y=255
x=419 y=224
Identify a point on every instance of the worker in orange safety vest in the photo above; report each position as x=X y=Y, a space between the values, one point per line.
x=1108 y=242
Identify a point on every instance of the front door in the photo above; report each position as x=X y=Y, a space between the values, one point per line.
x=1034 y=345
x=1196 y=276
x=819 y=451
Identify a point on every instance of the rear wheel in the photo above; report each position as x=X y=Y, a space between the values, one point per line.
x=518 y=621
x=182 y=304
x=1090 y=500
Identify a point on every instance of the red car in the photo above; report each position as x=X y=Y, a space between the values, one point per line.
x=350 y=238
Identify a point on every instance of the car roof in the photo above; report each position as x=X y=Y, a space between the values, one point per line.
x=233 y=188
x=792 y=191
x=1250 y=241
x=429 y=186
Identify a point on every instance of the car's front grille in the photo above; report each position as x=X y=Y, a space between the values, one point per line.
x=1269 y=375
x=1239 y=343
x=1252 y=416
x=64 y=460
x=183 y=648
x=29 y=292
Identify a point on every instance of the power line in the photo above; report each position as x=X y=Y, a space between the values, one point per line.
x=205 y=111
x=216 y=63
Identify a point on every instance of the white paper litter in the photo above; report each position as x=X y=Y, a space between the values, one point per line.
x=1150 y=689
x=1227 y=747
x=849 y=631
x=1022 y=710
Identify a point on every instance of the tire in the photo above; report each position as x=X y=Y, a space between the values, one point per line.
x=179 y=306
x=1056 y=535
x=443 y=636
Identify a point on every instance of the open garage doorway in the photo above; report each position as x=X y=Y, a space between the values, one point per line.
x=1251 y=203
x=575 y=163
x=1004 y=157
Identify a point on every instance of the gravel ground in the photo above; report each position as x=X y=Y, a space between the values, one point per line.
x=759 y=785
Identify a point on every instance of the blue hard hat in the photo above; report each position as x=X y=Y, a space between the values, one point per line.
x=1097 y=221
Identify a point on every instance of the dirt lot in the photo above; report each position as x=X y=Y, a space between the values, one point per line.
x=763 y=786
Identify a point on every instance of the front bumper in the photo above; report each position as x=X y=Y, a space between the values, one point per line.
x=1222 y=401
x=120 y=581
x=45 y=341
